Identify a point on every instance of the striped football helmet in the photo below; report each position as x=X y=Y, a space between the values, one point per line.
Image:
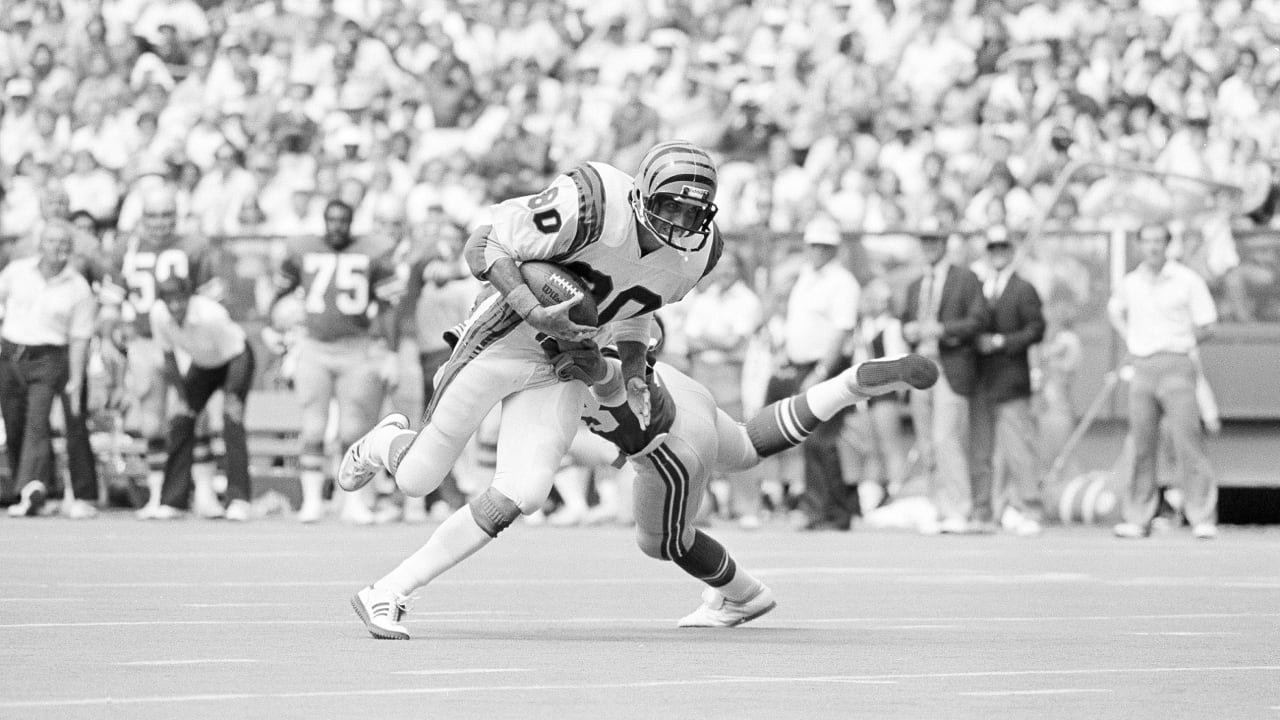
x=674 y=195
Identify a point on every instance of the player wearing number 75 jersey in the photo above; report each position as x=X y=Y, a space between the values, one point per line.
x=342 y=279
x=638 y=243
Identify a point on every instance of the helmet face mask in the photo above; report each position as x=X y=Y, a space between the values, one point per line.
x=675 y=193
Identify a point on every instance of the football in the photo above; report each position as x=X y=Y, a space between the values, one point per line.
x=553 y=284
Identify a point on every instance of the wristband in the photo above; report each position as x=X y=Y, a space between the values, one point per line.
x=521 y=300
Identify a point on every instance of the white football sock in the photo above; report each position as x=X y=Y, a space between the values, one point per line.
x=457 y=538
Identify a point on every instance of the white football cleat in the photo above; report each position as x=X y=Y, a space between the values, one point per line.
x=358 y=465
x=886 y=375
x=716 y=611
x=380 y=611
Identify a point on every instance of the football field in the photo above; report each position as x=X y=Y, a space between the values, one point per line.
x=195 y=619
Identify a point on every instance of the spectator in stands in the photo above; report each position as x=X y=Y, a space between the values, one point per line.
x=221 y=192
x=945 y=312
x=1002 y=429
x=220 y=359
x=822 y=311
x=1163 y=311
x=44 y=341
x=92 y=188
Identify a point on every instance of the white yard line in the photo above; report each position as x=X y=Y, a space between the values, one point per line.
x=1055 y=691
x=203 y=661
x=525 y=618
x=578 y=687
x=461 y=671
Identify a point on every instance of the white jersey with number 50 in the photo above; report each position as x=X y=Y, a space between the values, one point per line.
x=584 y=221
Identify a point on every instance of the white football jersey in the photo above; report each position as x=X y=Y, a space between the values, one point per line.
x=584 y=222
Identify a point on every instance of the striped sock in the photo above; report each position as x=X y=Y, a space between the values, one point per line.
x=707 y=560
x=782 y=425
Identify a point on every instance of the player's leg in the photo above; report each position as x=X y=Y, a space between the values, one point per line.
x=419 y=461
x=313 y=382
x=204 y=469
x=537 y=427
x=235 y=392
x=359 y=392
x=788 y=422
x=198 y=385
x=148 y=392
x=670 y=485
x=600 y=457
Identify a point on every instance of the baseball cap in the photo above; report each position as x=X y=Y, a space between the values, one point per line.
x=822 y=231
x=998 y=236
x=18 y=87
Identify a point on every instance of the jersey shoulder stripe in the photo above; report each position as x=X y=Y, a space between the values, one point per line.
x=591 y=206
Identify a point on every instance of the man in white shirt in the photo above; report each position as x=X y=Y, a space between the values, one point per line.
x=1163 y=310
x=202 y=331
x=48 y=319
x=822 y=311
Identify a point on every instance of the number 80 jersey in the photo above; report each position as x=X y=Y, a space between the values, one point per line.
x=584 y=221
x=340 y=287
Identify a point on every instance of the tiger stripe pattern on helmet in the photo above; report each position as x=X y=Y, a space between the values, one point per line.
x=670 y=163
x=680 y=170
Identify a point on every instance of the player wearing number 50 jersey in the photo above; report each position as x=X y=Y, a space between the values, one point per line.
x=151 y=257
x=638 y=243
x=341 y=279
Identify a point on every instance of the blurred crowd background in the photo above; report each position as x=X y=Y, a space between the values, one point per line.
x=882 y=117
x=881 y=113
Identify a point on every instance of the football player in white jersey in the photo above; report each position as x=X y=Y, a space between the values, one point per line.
x=638 y=243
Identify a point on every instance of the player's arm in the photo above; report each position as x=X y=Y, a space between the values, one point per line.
x=537 y=227
x=390 y=280
x=159 y=320
x=286 y=279
x=474 y=252
x=504 y=275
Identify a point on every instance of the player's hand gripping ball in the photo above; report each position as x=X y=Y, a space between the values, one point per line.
x=552 y=284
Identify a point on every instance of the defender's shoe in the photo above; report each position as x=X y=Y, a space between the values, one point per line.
x=380 y=611
x=717 y=611
x=358 y=465
x=886 y=375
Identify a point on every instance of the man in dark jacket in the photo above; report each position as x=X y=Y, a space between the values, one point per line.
x=944 y=314
x=1002 y=428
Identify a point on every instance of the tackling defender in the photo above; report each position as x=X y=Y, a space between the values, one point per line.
x=638 y=243
x=689 y=438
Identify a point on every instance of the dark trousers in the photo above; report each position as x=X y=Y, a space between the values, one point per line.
x=31 y=376
x=199 y=384
x=827 y=501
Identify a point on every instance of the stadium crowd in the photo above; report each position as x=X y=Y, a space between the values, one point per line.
x=876 y=116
